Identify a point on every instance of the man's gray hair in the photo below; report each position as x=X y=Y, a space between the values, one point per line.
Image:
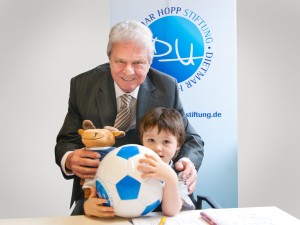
x=131 y=31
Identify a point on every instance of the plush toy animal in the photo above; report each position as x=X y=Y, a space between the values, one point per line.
x=92 y=137
x=100 y=140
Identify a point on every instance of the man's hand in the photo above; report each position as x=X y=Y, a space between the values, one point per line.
x=189 y=173
x=93 y=206
x=83 y=163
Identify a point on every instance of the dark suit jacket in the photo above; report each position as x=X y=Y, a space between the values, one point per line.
x=92 y=97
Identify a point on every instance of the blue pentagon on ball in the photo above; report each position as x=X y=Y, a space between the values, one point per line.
x=102 y=192
x=127 y=152
x=128 y=188
x=150 y=207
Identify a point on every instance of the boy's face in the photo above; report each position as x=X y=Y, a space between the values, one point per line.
x=164 y=144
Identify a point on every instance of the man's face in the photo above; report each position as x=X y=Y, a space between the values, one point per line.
x=129 y=65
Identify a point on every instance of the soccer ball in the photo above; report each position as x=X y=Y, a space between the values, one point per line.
x=119 y=181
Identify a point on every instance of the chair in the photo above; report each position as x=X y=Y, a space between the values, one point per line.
x=202 y=198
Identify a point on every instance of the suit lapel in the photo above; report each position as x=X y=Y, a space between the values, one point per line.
x=106 y=101
x=145 y=98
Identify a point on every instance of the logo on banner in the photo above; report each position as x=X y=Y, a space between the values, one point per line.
x=183 y=44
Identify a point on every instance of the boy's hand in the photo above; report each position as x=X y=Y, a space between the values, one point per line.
x=153 y=167
x=93 y=206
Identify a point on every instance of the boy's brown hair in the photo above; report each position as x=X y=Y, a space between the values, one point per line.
x=166 y=119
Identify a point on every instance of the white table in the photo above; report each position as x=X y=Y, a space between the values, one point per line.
x=275 y=214
x=67 y=220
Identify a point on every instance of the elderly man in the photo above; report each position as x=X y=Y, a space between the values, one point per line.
x=98 y=95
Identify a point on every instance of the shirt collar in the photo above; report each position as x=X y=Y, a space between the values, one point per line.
x=119 y=92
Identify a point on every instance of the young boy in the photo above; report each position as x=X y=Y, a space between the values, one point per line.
x=161 y=130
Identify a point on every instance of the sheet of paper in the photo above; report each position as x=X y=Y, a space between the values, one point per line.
x=251 y=216
x=184 y=218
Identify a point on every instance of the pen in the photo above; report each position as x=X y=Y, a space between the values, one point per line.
x=207 y=219
x=162 y=221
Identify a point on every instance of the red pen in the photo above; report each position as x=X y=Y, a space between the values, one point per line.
x=207 y=219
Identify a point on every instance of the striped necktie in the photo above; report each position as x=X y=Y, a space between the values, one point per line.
x=123 y=117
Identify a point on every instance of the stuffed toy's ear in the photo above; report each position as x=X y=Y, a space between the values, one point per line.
x=80 y=131
x=116 y=132
x=87 y=124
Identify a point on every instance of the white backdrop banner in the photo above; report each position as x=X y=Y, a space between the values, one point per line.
x=195 y=42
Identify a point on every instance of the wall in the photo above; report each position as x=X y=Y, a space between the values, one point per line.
x=45 y=43
x=268 y=103
x=42 y=45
